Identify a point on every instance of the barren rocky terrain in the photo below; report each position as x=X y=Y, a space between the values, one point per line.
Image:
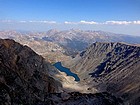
x=112 y=67
x=25 y=79
x=56 y=45
x=108 y=70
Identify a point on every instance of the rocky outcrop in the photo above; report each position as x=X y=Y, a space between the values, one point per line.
x=112 y=67
x=76 y=98
x=24 y=77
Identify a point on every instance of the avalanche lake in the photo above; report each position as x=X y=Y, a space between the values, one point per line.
x=59 y=66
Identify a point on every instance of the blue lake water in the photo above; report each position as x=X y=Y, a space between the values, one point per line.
x=59 y=66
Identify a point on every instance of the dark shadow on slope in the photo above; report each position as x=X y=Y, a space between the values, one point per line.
x=100 y=68
x=106 y=65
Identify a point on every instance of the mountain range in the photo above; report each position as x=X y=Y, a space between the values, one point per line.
x=65 y=43
x=25 y=79
x=107 y=65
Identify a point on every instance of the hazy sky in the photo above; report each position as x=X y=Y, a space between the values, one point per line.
x=119 y=16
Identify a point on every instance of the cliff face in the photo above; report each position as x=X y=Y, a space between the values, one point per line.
x=24 y=77
x=112 y=67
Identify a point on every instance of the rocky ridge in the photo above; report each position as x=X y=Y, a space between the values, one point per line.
x=112 y=67
x=24 y=75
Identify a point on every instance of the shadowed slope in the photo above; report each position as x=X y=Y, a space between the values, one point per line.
x=112 y=67
x=24 y=77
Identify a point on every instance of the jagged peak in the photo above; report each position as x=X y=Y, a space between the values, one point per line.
x=115 y=43
x=53 y=30
x=104 y=47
